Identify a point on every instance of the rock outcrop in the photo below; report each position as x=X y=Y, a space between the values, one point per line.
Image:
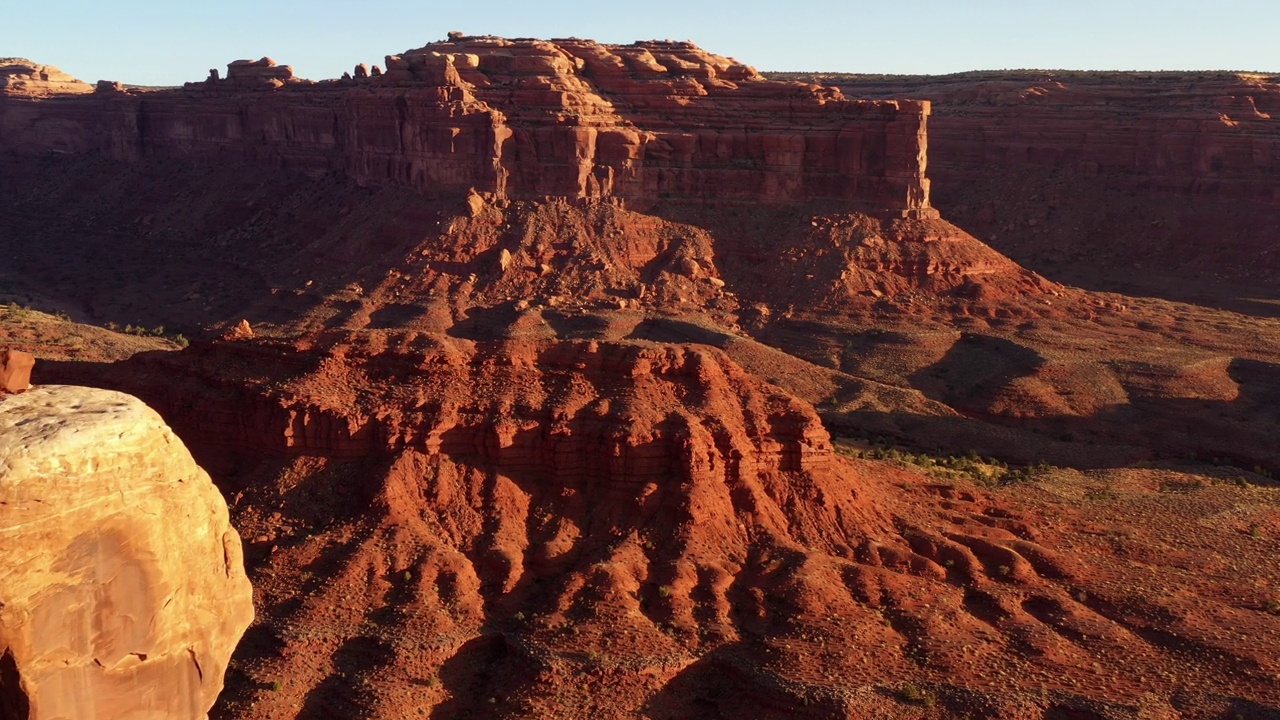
x=264 y=74
x=15 y=371
x=615 y=411
x=122 y=588
x=521 y=119
x=21 y=76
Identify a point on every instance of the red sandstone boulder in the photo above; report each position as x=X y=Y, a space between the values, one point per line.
x=122 y=588
x=15 y=371
x=241 y=331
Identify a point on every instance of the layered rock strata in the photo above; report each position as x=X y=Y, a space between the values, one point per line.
x=122 y=588
x=520 y=119
x=1204 y=134
x=19 y=76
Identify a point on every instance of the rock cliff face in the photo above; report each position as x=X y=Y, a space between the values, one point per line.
x=122 y=589
x=519 y=119
x=1192 y=134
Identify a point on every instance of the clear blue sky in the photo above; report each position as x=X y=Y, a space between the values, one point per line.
x=154 y=42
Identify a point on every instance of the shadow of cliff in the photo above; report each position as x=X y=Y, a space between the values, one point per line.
x=974 y=369
x=342 y=694
x=474 y=677
x=1107 y=232
x=727 y=683
x=1238 y=433
x=14 y=703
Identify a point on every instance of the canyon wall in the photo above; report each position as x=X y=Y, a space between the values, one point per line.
x=1202 y=134
x=516 y=119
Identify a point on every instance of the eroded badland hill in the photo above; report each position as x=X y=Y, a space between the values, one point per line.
x=586 y=380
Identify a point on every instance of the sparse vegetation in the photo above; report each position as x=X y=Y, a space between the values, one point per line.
x=157 y=331
x=1101 y=492
x=988 y=472
x=18 y=311
x=915 y=695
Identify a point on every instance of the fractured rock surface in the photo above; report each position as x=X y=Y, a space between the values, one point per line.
x=122 y=585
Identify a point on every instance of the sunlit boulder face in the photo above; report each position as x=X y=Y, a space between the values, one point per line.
x=122 y=585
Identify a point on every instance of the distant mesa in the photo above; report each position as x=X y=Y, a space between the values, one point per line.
x=1194 y=134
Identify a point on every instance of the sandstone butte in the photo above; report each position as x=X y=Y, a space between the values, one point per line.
x=511 y=119
x=122 y=586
